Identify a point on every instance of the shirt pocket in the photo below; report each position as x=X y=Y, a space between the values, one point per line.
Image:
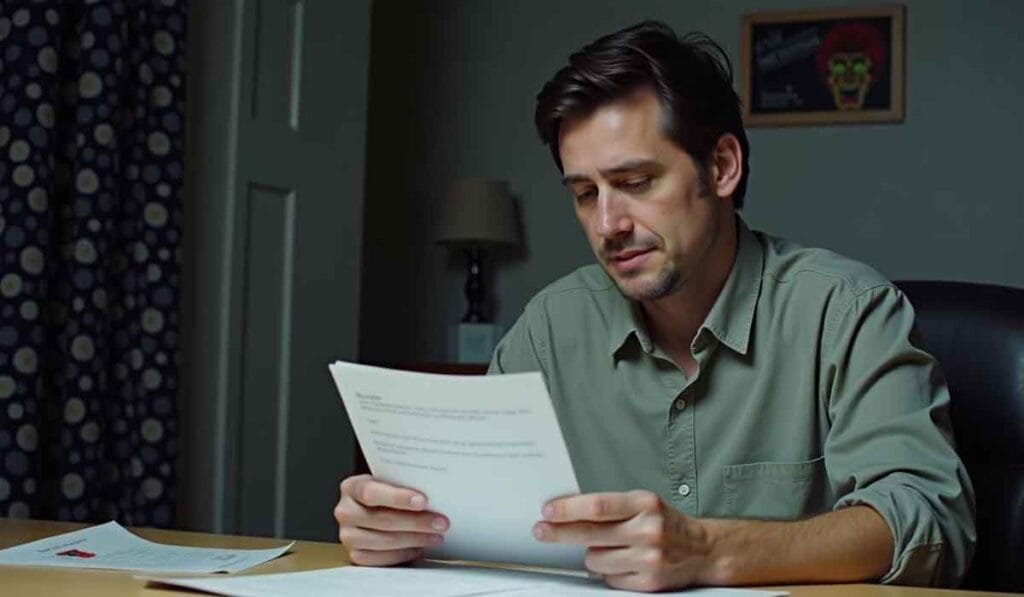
x=776 y=490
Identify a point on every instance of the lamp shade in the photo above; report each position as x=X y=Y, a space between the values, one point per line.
x=477 y=211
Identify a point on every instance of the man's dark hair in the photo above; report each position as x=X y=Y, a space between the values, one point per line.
x=691 y=75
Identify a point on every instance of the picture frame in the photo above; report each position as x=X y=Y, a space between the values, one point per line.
x=823 y=66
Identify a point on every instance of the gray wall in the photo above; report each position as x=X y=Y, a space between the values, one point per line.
x=452 y=94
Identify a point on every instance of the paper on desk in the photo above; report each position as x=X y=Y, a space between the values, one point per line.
x=111 y=546
x=421 y=581
x=486 y=450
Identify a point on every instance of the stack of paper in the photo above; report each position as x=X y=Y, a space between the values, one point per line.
x=111 y=546
x=486 y=450
x=427 y=581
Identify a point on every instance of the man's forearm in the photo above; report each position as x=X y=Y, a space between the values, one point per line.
x=853 y=544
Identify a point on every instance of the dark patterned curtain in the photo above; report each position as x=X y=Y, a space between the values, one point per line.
x=91 y=128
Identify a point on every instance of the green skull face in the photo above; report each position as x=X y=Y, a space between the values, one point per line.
x=849 y=77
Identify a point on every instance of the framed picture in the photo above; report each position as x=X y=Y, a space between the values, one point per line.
x=823 y=66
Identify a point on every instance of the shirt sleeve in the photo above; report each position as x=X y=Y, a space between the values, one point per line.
x=891 y=445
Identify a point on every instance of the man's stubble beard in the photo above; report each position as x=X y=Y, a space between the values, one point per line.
x=666 y=282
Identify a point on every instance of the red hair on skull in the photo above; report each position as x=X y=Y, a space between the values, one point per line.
x=852 y=37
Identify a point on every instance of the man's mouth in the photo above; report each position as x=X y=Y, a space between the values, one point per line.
x=630 y=259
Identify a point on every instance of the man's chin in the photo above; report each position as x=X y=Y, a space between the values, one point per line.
x=649 y=287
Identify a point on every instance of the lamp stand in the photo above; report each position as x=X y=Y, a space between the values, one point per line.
x=476 y=337
x=474 y=286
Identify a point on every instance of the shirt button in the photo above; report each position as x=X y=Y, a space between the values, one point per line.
x=680 y=404
x=684 y=490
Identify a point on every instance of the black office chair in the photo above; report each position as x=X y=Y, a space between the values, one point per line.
x=976 y=331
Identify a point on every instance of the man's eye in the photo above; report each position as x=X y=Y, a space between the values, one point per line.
x=584 y=195
x=637 y=184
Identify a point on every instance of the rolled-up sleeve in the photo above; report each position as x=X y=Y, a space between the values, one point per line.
x=891 y=445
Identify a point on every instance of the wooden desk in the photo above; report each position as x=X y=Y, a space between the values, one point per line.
x=305 y=555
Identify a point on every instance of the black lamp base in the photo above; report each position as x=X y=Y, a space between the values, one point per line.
x=474 y=286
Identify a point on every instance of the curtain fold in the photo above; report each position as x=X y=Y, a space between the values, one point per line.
x=91 y=179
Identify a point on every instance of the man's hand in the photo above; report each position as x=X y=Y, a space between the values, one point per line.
x=634 y=540
x=384 y=525
x=638 y=542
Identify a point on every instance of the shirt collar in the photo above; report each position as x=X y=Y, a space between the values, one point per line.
x=732 y=314
x=627 y=321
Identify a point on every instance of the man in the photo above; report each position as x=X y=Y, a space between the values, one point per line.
x=738 y=409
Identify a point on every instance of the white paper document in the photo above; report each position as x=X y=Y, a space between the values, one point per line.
x=486 y=450
x=111 y=546
x=447 y=581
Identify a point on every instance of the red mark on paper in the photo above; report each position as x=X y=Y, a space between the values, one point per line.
x=76 y=553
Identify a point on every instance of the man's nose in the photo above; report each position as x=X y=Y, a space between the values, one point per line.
x=612 y=215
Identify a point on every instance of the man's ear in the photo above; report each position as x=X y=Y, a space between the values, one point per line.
x=726 y=166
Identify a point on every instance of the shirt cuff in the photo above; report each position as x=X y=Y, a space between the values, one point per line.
x=919 y=550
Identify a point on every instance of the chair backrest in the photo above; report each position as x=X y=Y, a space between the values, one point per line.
x=976 y=331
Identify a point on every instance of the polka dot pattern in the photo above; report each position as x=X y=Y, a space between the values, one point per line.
x=91 y=135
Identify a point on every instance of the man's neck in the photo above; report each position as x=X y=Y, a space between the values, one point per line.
x=673 y=321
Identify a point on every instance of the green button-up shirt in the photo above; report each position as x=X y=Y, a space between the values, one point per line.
x=810 y=397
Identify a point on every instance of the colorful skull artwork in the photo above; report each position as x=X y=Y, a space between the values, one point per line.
x=851 y=58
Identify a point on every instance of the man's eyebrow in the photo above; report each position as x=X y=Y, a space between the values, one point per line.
x=628 y=166
x=574 y=178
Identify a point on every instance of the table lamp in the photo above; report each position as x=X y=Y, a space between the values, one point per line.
x=475 y=215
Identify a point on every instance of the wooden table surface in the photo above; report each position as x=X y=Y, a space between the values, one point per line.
x=305 y=555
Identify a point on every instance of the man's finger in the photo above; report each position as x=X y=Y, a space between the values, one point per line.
x=600 y=507
x=611 y=561
x=363 y=557
x=387 y=519
x=591 y=534
x=349 y=512
x=370 y=492
x=369 y=539
x=632 y=581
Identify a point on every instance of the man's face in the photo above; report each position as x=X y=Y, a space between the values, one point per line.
x=639 y=197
